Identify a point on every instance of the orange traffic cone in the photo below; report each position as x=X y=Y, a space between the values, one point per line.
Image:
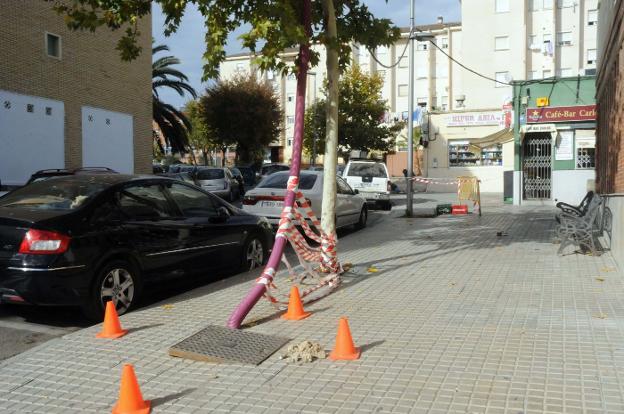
x=112 y=326
x=345 y=349
x=130 y=398
x=295 y=307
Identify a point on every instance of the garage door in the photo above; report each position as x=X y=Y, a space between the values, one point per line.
x=31 y=137
x=107 y=140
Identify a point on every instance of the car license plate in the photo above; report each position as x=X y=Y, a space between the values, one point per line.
x=367 y=184
x=272 y=204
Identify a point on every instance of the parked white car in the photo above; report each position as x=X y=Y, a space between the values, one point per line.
x=371 y=178
x=267 y=199
x=218 y=181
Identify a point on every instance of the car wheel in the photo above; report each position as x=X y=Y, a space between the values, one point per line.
x=254 y=253
x=387 y=205
x=363 y=218
x=117 y=281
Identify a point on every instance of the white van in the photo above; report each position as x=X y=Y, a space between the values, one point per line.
x=371 y=179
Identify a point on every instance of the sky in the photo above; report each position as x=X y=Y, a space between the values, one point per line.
x=188 y=43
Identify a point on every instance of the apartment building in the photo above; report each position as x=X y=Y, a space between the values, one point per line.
x=67 y=99
x=510 y=40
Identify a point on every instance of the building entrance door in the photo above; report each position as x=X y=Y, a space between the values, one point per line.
x=537 y=166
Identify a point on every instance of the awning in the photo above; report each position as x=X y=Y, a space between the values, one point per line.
x=500 y=137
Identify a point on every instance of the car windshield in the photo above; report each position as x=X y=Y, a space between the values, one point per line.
x=362 y=169
x=53 y=194
x=270 y=169
x=210 y=174
x=279 y=181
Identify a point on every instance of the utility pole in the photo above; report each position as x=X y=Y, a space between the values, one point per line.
x=410 y=122
x=314 y=137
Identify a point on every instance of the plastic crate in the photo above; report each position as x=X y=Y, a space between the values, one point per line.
x=459 y=209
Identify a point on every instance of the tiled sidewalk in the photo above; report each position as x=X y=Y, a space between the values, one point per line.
x=455 y=320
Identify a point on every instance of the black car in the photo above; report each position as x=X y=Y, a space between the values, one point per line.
x=249 y=175
x=88 y=239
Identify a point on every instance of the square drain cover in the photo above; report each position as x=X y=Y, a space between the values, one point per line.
x=220 y=344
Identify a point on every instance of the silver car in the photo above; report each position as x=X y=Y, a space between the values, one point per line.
x=218 y=181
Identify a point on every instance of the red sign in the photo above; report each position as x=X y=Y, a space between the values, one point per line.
x=561 y=114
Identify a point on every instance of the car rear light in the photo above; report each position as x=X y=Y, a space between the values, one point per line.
x=389 y=186
x=249 y=200
x=44 y=242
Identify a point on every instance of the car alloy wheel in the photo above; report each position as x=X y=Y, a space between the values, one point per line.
x=118 y=286
x=363 y=218
x=254 y=254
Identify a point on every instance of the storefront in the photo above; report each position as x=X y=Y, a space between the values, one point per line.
x=554 y=140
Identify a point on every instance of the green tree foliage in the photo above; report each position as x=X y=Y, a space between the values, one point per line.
x=361 y=112
x=243 y=112
x=200 y=137
x=173 y=124
x=273 y=26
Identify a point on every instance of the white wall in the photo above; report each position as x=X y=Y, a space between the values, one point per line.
x=29 y=141
x=570 y=186
x=107 y=140
x=616 y=205
x=491 y=177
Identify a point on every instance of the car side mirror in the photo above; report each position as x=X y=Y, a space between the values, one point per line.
x=356 y=191
x=222 y=215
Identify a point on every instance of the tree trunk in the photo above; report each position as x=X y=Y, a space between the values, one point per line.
x=330 y=159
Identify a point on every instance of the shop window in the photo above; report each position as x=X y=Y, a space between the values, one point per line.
x=585 y=148
x=468 y=154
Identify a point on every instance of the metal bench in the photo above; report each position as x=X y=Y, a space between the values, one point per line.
x=578 y=211
x=580 y=230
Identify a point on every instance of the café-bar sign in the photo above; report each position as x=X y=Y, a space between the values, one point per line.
x=561 y=114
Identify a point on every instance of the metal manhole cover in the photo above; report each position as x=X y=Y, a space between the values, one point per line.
x=220 y=344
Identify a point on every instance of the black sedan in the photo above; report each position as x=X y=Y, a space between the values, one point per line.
x=88 y=239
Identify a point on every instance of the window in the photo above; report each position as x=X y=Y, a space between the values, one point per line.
x=240 y=67
x=564 y=38
x=290 y=120
x=585 y=148
x=403 y=63
x=57 y=194
x=533 y=42
x=210 y=174
x=422 y=46
x=402 y=90
x=547 y=37
x=289 y=142
x=444 y=103
x=53 y=45
x=532 y=74
x=564 y=72
x=547 y=74
x=445 y=43
x=465 y=153
x=591 y=56
x=143 y=202
x=343 y=187
x=422 y=100
x=366 y=169
x=501 y=43
x=501 y=77
x=501 y=6
x=535 y=5
x=382 y=51
x=442 y=72
x=548 y=4
x=280 y=181
x=565 y=3
x=592 y=17
x=421 y=72
x=290 y=97
x=192 y=203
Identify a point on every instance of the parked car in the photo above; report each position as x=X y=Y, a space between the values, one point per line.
x=267 y=199
x=62 y=172
x=159 y=169
x=219 y=181
x=183 y=176
x=371 y=179
x=88 y=239
x=249 y=175
x=268 y=169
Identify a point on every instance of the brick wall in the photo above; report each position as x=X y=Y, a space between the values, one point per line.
x=90 y=72
x=610 y=132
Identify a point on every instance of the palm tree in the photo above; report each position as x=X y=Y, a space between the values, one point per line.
x=173 y=124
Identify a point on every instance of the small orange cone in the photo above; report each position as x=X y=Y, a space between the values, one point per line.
x=345 y=350
x=295 y=307
x=112 y=327
x=130 y=398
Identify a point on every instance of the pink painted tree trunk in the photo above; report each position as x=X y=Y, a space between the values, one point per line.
x=241 y=311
